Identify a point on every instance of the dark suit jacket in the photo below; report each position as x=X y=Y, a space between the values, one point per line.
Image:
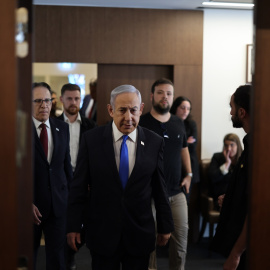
x=116 y=215
x=86 y=124
x=51 y=181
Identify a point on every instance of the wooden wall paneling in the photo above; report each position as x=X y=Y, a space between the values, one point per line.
x=188 y=82
x=141 y=76
x=8 y=184
x=259 y=218
x=118 y=35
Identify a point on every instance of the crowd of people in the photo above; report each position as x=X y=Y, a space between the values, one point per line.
x=124 y=187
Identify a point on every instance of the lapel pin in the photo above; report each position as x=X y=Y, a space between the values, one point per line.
x=57 y=129
x=142 y=143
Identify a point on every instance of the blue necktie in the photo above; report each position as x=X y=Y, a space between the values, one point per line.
x=124 y=164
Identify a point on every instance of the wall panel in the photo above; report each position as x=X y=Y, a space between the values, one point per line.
x=141 y=76
x=117 y=35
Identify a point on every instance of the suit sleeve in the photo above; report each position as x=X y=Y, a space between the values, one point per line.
x=79 y=189
x=160 y=196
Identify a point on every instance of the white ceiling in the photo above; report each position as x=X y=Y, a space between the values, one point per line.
x=155 y=4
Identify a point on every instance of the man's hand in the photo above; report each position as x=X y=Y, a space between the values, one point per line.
x=72 y=239
x=36 y=215
x=220 y=200
x=191 y=139
x=186 y=183
x=232 y=262
x=162 y=239
x=228 y=162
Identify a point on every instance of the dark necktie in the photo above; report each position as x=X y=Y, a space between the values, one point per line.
x=44 y=138
x=124 y=164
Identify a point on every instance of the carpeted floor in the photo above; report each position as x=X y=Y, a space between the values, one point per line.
x=198 y=258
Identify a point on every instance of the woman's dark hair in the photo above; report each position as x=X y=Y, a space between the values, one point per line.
x=177 y=102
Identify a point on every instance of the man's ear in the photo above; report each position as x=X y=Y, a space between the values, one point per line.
x=242 y=113
x=110 y=109
x=61 y=99
x=141 y=108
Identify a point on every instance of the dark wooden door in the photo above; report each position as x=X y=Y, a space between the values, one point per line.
x=15 y=143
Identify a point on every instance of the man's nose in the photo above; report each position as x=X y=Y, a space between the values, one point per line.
x=128 y=115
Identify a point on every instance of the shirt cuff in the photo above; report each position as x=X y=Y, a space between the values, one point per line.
x=223 y=169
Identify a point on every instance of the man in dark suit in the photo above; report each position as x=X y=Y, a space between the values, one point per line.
x=89 y=106
x=123 y=165
x=52 y=174
x=78 y=124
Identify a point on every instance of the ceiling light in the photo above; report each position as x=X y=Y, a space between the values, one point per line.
x=228 y=5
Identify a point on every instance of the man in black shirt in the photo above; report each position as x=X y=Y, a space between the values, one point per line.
x=231 y=234
x=172 y=129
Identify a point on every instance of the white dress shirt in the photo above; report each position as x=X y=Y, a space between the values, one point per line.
x=74 y=133
x=49 y=132
x=131 y=145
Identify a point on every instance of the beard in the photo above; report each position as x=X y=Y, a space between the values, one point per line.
x=159 y=109
x=72 y=110
x=237 y=123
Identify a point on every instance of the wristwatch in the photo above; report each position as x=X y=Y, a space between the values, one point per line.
x=190 y=174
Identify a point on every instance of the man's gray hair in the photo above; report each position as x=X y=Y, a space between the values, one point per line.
x=126 y=88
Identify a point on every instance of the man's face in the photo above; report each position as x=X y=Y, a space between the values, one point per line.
x=126 y=113
x=162 y=98
x=41 y=112
x=71 y=101
x=237 y=122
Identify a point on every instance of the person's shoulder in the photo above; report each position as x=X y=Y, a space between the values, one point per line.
x=88 y=122
x=175 y=118
x=145 y=117
x=218 y=155
x=96 y=132
x=58 y=122
x=149 y=133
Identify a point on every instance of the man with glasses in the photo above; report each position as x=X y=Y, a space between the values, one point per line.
x=176 y=153
x=52 y=174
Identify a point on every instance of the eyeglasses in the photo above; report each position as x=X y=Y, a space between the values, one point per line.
x=39 y=101
x=164 y=128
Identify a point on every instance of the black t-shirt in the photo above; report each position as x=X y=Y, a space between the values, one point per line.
x=173 y=132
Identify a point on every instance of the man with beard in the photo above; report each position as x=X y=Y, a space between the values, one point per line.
x=176 y=153
x=231 y=234
x=71 y=98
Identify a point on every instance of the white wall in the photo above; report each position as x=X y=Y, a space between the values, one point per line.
x=53 y=69
x=226 y=34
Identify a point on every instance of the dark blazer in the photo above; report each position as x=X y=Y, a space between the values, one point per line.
x=51 y=181
x=116 y=215
x=86 y=123
x=219 y=182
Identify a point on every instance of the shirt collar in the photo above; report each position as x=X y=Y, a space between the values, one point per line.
x=78 y=119
x=38 y=123
x=118 y=135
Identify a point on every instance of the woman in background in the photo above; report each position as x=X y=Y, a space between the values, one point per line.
x=222 y=165
x=181 y=107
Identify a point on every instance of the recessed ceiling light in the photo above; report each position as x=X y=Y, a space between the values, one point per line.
x=228 y=5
